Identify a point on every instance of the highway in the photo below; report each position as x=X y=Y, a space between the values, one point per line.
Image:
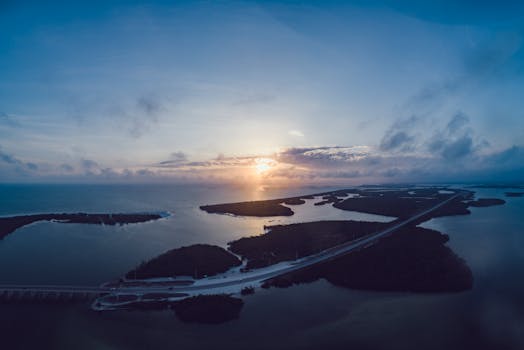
x=214 y=285
x=263 y=274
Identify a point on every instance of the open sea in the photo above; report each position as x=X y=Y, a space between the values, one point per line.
x=310 y=316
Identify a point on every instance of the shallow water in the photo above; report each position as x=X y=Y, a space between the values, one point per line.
x=316 y=315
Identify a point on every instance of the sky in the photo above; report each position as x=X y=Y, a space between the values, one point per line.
x=262 y=92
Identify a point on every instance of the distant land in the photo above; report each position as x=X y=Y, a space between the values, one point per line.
x=413 y=258
x=514 y=194
x=11 y=224
x=197 y=261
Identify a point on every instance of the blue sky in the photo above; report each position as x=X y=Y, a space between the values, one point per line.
x=206 y=91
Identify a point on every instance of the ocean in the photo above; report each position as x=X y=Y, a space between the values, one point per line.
x=315 y=315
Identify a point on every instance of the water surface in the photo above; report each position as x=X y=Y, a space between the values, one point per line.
x=316 y=315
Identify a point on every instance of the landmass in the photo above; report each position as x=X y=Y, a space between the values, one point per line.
x=197 y=261
x=271 y=207
x=514 y=194
x=10 y=224
x=498 y=186
x=256 y=208
x=290 y=242
x=413 y=259
x=389 y=202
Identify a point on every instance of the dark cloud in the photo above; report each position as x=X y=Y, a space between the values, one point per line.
x=144 y=115
x=458 y=148
x=456 y=140
x=7 y=119
x=7 y=158
x=398 y=137
x=509 y=157
x=457 y=122
x=31 y=166
x=176 y=158
x=88 y=164
x=145 y=173
x=16 y=163
x=66 y=168
x=399 y=140
x=148 y=105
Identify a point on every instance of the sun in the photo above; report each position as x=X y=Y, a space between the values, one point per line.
x=263 y=165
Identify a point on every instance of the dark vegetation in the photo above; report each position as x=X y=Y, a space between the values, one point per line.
x=10 y=224
x=329 y=199
x=211 y=309
x=257 y=208
x=271 y=207
x=294 y=201
x=198 y=260
x=413 y=259
x=289 y=242
x=247 y=291
x=389 y=206
x=386 y=201
x=514 y=194
x=498 y=186
x=393 y=202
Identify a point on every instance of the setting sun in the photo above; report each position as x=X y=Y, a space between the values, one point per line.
x=263 y=165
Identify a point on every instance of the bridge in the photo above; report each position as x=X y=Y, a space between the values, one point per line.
x=118 y=296
x=50 y=292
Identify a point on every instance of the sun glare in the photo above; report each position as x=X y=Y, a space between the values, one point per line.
x=263 y=165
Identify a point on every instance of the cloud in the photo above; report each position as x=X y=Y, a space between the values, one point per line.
x=398 y=140
x=322 y=155
x=89 y=165
x=398 y=137
x=457 y=122
x=16 y=163
x=175 y=158
x=7 y=119
x=456 y=140
x=296 y=133
x=66 y=168
x=145 y=114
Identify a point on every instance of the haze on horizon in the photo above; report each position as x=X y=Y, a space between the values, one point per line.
x=266 y=92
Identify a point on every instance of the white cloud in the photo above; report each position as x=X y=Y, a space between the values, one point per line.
x=296 y=133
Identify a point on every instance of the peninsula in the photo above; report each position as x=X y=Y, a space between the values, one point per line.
x=11 y=224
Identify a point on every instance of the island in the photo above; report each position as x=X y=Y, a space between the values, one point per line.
x=514 y=194
x=381 y=201
x=349 y=254
x=264 y=208
x=10 y=224
x=196 y=261
x=290 y=242
x=414 y=259
x=255 y=208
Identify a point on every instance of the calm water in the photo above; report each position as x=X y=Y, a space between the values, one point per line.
x=316 y=315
